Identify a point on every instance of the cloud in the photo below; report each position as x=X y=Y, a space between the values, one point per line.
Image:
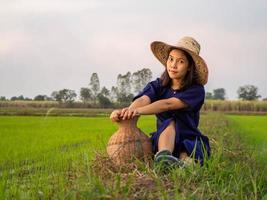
x=47 y=6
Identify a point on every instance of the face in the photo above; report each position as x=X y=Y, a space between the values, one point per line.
x=177 y=64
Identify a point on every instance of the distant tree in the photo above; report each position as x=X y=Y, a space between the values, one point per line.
x=40 y=98
x=104 y=98
x=140 y=78
x=114 y=94
x=2 y=98
x=208 y=95
x=68 y=95
x=17 y=98
x=94 y=86
x=21 y=97
x=124 y=83
x=124 y=88
x=219 y=94
x=13 y=98
x=264 y=99
x=248 y=92
x=86 y=94
x=105 y=92
x=104 y=102
x=55 y=96
x=64 y=95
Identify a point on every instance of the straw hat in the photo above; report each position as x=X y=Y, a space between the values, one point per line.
x=161 y=50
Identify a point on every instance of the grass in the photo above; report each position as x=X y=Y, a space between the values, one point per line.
x=64 y=158
x=254 y=132
x=27 y=137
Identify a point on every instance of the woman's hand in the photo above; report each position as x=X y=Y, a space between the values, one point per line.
x=115 y=115
x=129 y=113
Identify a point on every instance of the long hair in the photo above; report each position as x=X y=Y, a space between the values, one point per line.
x=190 y=77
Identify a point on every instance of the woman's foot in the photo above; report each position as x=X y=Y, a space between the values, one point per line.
x=164 y=160
x=186 y=159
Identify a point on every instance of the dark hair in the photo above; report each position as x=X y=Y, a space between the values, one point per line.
x=190 y=77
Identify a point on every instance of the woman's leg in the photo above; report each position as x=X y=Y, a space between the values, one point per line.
x=167 y=138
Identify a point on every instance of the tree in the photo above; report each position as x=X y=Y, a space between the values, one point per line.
x=124 y=88
x=248 y=92
x=21 y=98
x=140 y=78
x=208 y=95
x=86 y=94
x=64 y=95
x=40 y=98
x=2 y=98
x=104 y=98
x=94 y=86
x=114 y=94
x=68 y=95
x=13 y=98
x=104 y=101
x=219 y=93
x=55 y=96
x=105 y=92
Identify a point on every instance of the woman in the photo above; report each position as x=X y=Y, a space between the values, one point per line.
x=175 y=98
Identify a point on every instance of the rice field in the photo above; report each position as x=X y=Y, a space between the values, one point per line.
x=41 y=107
x=64 y=158
x=253 y=131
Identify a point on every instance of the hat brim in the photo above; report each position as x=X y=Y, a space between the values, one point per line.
x=161 y=51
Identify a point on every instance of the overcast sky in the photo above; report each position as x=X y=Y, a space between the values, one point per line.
x=48 y=45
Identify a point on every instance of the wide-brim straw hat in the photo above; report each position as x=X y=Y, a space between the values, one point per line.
x=161 y=50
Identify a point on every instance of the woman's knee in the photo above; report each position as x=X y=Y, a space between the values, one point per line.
x=171 y=127
x=169 y=130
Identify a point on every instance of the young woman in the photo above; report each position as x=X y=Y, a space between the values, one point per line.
x=175 y=98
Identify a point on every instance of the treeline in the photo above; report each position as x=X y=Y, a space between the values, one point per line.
x=93 y=95
x=128 y=85
x=246 y=92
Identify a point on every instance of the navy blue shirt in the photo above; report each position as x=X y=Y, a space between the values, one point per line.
x=188 y=137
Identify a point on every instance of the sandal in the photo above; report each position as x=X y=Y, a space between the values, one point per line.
x=164 y=160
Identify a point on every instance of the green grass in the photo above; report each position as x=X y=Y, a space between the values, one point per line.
x=53 y=158
x=254 y=131
x=27 y=137
x=252 y=126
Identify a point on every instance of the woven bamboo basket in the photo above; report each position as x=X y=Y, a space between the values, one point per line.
x=128 y=142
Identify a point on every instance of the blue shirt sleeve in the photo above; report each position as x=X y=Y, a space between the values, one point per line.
x=151 y=90
x=193 y=96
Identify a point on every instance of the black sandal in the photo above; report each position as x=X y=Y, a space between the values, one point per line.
x=165 y=160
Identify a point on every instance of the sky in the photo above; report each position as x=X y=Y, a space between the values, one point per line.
x=48 y=45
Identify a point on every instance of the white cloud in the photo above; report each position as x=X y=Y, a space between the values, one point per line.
x=47 y=6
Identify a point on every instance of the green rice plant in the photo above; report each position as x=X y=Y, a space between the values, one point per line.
x=65 y=158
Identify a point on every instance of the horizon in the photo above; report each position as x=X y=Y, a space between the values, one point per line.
x=109 y=88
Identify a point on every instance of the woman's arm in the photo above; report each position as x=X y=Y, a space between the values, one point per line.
x=155 y=107
x=129 y=112
x=161 y=106
x=140 y=102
